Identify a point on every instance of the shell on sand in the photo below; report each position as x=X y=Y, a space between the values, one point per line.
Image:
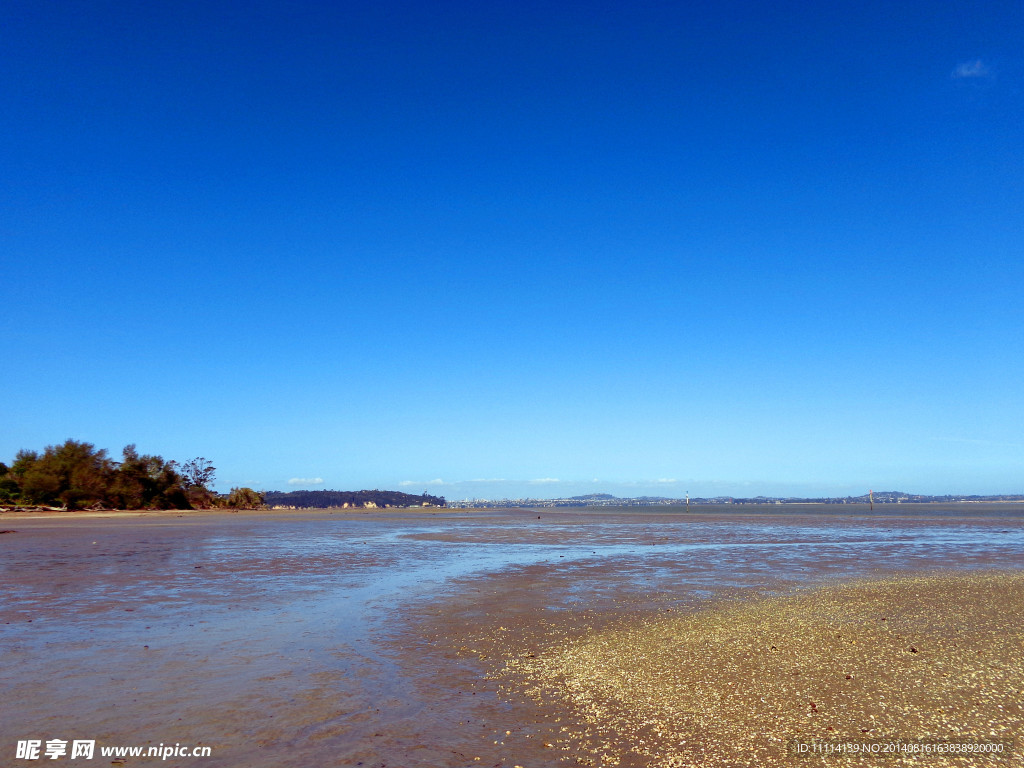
x=920 y=659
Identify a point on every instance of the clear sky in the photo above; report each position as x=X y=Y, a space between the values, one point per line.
x=513 y=248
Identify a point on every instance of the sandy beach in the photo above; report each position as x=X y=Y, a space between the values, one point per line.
x=509 y=638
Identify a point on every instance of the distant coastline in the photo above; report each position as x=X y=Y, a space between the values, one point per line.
x=375 y=499
x=608 y=500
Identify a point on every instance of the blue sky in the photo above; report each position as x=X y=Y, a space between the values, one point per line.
x=516 y=248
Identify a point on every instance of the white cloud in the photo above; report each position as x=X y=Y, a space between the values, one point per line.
x=971 y=69
x=667 y=480
x=546 y=480
x=306 y=481
x=437 y=481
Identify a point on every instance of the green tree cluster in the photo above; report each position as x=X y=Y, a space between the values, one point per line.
x=147 y=482
x=244 y=498
x=76 y=475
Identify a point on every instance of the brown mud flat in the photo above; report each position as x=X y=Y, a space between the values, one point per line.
x=257 y=634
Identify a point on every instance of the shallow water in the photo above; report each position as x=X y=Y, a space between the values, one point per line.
x=274 y=637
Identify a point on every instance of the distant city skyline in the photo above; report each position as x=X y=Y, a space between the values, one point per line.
x=491 y=249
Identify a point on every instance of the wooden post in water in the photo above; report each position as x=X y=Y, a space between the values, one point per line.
x=871 y=498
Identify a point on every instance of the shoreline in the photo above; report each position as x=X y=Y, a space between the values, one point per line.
x=795 y=510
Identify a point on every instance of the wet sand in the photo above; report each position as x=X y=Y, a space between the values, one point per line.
x=435 y=639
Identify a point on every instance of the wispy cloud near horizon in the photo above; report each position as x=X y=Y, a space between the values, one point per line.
x=306 y=481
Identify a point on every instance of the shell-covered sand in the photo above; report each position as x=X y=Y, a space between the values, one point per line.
x=918 y=659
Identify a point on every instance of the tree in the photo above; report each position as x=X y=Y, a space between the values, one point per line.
x=23 y=461
x=8 y=484
x=15 y=480
x=74 y=474
x=78 y=475
x=199 y=472
x=244 y=498
x=199 y=475
x=146 y=482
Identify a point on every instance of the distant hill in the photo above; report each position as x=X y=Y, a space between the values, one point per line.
x=370 y=499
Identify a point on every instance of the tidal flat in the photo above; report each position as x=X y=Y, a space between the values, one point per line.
x=635 y=637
